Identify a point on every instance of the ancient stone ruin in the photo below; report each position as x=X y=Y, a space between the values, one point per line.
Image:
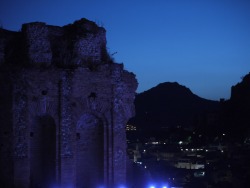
x=64 y=105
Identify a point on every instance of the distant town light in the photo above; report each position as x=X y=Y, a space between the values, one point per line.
x=155 y=142
x=130 y=128
x=180 y=142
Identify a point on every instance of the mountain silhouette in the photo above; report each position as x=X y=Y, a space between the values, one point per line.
x=171 y=105
x=236 y=111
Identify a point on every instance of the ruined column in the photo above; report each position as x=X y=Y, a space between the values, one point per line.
x=66 y=132
x=123 y=109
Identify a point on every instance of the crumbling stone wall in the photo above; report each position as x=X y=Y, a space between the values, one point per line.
x=75 y=91
x=38 y=44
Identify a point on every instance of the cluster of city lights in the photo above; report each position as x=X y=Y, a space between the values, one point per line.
x=130 y=128
x=192 y=149
x=155 y=143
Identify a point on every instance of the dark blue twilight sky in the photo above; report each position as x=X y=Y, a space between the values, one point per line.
x=202 y=44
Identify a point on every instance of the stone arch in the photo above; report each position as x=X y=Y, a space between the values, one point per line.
x=43 y=152
x=89 y=151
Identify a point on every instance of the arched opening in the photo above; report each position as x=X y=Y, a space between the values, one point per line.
x=43 y=152
x=89 y=152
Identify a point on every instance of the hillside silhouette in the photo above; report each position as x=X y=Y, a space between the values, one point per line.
x=170 y=105
x=236 y=111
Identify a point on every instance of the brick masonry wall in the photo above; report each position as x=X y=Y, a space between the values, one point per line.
x=38 y=44
x=83 y=108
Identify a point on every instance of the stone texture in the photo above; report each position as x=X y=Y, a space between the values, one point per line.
x=65 y=96
x=37 y=38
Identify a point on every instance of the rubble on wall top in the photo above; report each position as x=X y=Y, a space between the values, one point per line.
x=82 y=43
